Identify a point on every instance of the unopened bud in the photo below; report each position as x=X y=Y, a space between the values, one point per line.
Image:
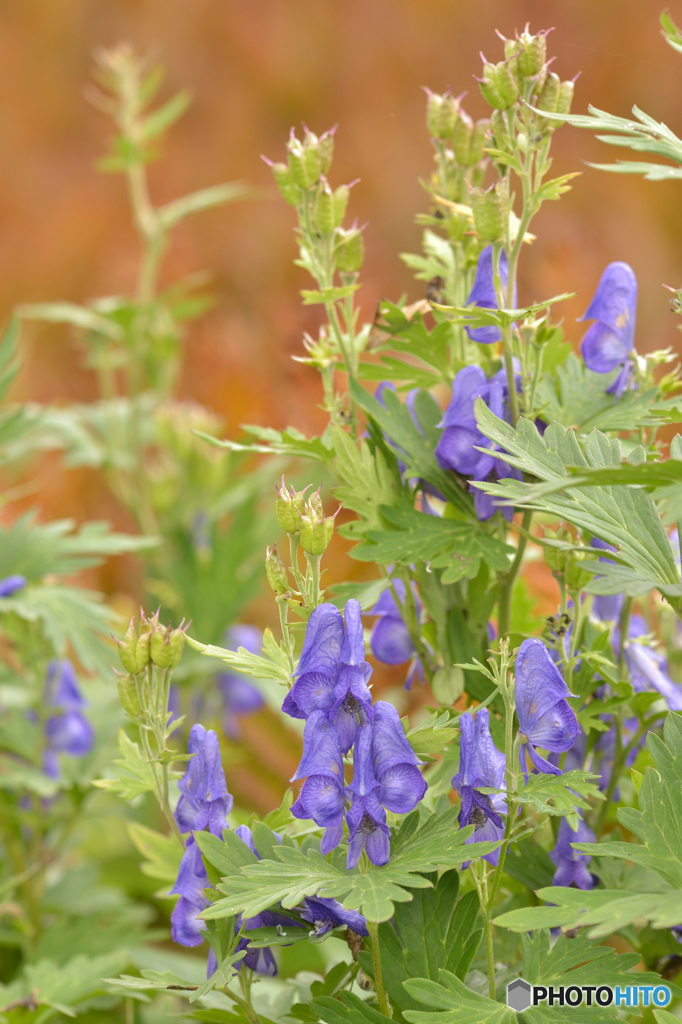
x=316 y=534
x=128 y=696
x=287 y=506
x=350 y=251
x=498 y=85
x=532 y=54
x=276 y=571
x=304 y=160
x=165 y=647
x=325 y=148
x=491 y=216
x=500 y=131
x=565 y=98
x=441 y=115
x=288 y=188
x=315 y=503
x=575 y=576
x=557 y=558
x=478 y=140
x=549 y=97
x=133 y=650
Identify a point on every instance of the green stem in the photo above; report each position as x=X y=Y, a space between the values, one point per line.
x=312 y=579
x=616 y=769
x=482 y=886
x=507 y=579
x=294 y=542
x=624 y=625
x=284 y=625
x=384 y=1005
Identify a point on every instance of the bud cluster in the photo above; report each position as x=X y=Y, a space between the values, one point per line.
x=144 y=648
x=304 y=517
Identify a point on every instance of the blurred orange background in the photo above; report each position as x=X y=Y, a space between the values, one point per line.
x=256 y=69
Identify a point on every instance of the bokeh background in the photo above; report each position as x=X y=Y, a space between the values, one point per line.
x=256 y=68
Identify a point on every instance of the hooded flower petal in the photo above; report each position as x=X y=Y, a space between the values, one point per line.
x=469 y=384
x=61 y=686
x=70 y=733
x=311 y=692
x=367 y=829
x=325 y=914
x=402 y=787
x=323 y=640
x=608 y=342
x=11 y=584
x=390 y=745
x=203 y=787
x=544 y=716
x=353 y=648
x=648 y=673
x=391 y=642
x=321 y=750
x=571 y=866
x=483 y=294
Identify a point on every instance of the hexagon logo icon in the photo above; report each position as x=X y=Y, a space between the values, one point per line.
x=518 y=994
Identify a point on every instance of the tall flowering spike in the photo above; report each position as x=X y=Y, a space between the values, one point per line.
x=545 y=718
x=607 y=343
x=484 y=296
x=205 y=801
x=324 y=914
x=571 y=866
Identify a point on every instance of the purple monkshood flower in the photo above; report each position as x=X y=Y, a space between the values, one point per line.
x=186 y=927
x=571 y=866
x=461 y=439
x=391 y=642
x=67 y=731
x=205 y=801
x=484 y=296
x=332 y=672
x=480 y=764
x=240 y=697
x=323 y=796
x=11 y=584
x=648 y=667
x=608 y=342
x=545 y=718
x=324 y=914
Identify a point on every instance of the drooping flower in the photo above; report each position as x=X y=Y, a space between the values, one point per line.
x=324 y=914
x=11 y=584
x=571 y=866
x=481 y=764
x=240 y=697
x=607 y=344
x=332 y=671
x=545 y=718
x=458 y=447
x=393 y=761
x=323 y=795
x=484 y=296
x=205 y=801
x=390 y=641
x=186 y=927
x=67 y=731
x=647 y=666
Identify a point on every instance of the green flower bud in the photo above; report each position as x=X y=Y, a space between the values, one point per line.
x=340 y=204
x=316 y=534
x=128 y=696
x=498 y=85
x=532 y=54
x=287 y=506
x=511 y=48
x=325 y=148
x=165 y=646
x=479 y=137
x=133 y=650
x=315 y=503
x=350 y=251
x=500 y=131
x=311 y=156
x=576 y=577
x=461 y=140
x=441 y=115
x=491 y=215
x=323 y=209
x=276 y=571
x=305 y=163
x=288 y=188
x=549 y=97
x=557 y=558
x=565 y=98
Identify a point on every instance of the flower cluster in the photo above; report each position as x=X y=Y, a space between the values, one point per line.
x=332 y=694
x=67 y=730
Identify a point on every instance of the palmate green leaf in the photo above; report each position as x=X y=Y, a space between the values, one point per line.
x=432 y=735
x=435 y=931
x=560 y=794
x=60 y=548
x=290 y=443
x=161 y=852
x=576 y=961
x=407 y=374
x=274 y=666
x=411 y=336
x=623 y=516
x=416 y=448
x=59 y=988
x=657 y=824
x=249 y=888
x=347 y=1009
x=454 y=1003
x=577 y=397
x=366 y=482
x=135 y=775
x=457 y=547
